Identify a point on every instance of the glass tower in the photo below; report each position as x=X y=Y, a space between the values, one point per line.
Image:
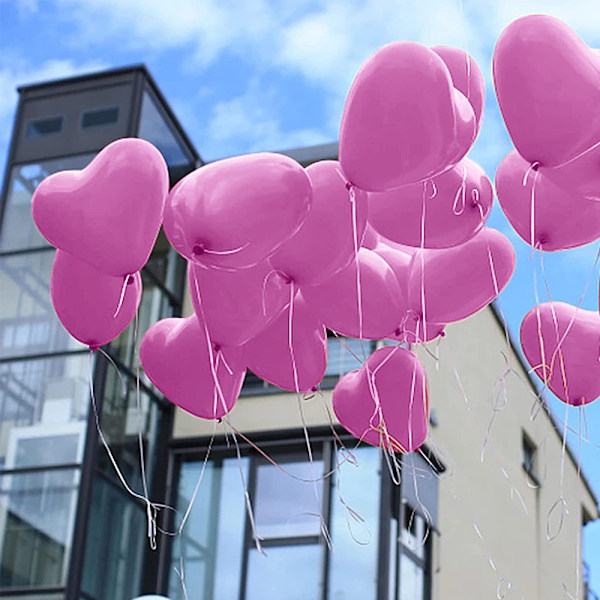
x=68 y=529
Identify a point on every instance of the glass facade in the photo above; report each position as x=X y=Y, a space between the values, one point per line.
x=292 y=498
x=68 y=528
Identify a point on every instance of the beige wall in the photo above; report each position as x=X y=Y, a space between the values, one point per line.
x=488 y=536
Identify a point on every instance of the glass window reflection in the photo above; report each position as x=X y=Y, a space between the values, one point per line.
x=43 y=404
x=18 y=229
x=37 y=515
x=116 y=543
x=121 y=423
x=211 y=547
x=28 y=323
x=154 y=128
x=287 y=500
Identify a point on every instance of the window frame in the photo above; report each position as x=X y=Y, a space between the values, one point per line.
x=392 y=505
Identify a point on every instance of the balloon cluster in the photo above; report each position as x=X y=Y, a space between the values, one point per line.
x=104 y=221
x=389 y=243
x=548 y=87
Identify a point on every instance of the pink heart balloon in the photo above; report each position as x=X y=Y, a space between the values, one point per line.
x=466 y=77
x=562 y=344
x=237 y=305
x=336 y=302
x=269 y=356
x=108 y=214
x=234 y=213
x=324 y=244
x=448 y=209
x=451 y=284
x=92 y=306
x=403 y=120
x=175 y=355
x=561 y=219
x=386 y=402
x=548 y=86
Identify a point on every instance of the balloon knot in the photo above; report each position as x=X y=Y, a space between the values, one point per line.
x=198 y=250
x=93 y=347
x=314 y=389
x=349 y=186
x=129 y=278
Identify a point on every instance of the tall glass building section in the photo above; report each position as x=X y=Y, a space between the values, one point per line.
x=59 y=494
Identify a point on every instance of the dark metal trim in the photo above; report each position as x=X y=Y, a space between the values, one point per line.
x=43 y=356
x=30 y=591
x=21 y=251
x=84 y=502
x=40 y=468
x=10 y=159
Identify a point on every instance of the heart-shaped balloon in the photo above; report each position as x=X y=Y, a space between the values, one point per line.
x=108 y=214
x=445 y=211
x=176 y=357
x=324 y=244
x=373 y=313
x=386 y=402
x=403 y=120
x=234 y=213
x=548 y=86
x=92 y=306
x=561 y=219
x=450 y=284
x=562 y=344
x=299 y=368
x=237 y=305
x=466 y=77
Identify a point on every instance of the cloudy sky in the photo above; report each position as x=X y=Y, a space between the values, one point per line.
x=256 y=75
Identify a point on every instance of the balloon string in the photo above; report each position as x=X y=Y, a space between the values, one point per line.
x=152 y=508
x=219 y=390
x=290 y=338
x=202 y=250
x=249 y=510
x=122 y=298
x=533 y=167
x=422 y=257
x=578 y=156
x=357 y=263
x=461 y=195
x=150 y=514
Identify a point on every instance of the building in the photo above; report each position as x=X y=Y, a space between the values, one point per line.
x=470 y=518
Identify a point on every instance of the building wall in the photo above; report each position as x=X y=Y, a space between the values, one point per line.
x=492 y=516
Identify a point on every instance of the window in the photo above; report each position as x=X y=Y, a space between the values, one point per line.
x=155 y=128
x=291 y=498
x=18 y=229
x=44 y=127
x=529 y=458
x=99 y=117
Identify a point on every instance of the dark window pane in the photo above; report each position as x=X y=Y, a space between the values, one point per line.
x=100 y=117
x=18 y=229
x=290 y=572
x=43 y=411
x=121 y=422
x=116 y=544
x=355 y=543
x=211 y=546
x=155 y=129
x=37 y=514
x=42 y=127
x=28 y=323
x=285 y=506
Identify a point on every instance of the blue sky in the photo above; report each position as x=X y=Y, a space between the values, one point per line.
x=256 y=75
